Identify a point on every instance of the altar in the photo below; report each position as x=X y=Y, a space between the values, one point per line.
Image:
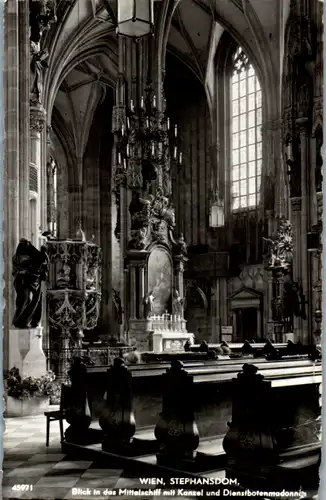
x=155 y=264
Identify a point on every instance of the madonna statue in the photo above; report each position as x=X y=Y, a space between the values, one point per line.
x=30 y=268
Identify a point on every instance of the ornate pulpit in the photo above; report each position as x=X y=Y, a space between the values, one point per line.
x=73 y=294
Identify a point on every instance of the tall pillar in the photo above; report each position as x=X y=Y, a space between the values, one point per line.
x=258 y=323
x=37 y=122
x=305 y=271
x=295 y=211
x=133 y=292
x=11 y=159
x=141 y=286
x=24 y=138
x=215 y=312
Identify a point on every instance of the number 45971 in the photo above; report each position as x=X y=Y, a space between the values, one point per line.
x=22 y=487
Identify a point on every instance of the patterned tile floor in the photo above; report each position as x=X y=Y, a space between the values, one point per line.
x=27 y=461
x=52 y=475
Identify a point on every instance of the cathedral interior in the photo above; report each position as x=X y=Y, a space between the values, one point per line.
x=163 y=205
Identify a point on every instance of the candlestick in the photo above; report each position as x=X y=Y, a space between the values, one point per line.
x=175 y=130
x=153 y=148
x=123 y=130
x=147 y=122
x=175 y=153
x=128 y=123
x=168 y=123
x=132 y=105
x=127 y=149
x=154 y=101
x=125 y=164
x=142 y=102
x=119 y=159
x=180 y=158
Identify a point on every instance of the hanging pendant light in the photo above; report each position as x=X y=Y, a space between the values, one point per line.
x=216 y=215
x=135 y=18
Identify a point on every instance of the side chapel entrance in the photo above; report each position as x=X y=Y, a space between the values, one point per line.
x=246 y=306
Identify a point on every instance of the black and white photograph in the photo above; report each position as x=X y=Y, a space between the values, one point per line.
x=162 y=206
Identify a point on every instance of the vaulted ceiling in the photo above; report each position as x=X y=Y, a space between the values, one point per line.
x=83 y=60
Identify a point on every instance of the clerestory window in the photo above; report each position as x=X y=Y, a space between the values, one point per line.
x=246 y=122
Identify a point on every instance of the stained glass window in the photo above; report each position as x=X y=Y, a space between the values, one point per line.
x=246 y=109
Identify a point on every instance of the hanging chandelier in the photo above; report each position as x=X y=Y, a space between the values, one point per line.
x=146 y=139
x=135 y=18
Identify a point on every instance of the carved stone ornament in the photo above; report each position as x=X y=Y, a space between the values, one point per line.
x=303 y=37
x=73 y=293
x=38 y=63
x=294 y=173
x=137 y=239
x=281 y=247
x=156 y=213
x=37 y=118
x=118 y=118
x=118 y=311
x=65 y=311
x=42 y=13
x=134 y=177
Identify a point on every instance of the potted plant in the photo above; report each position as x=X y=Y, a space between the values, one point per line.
x=30 y=395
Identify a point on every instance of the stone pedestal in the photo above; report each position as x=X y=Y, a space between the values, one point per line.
x=289 y=336
x=26 y=353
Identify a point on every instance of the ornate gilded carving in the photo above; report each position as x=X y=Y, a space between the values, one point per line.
x=281 y=247
x=151 y=219
x=137 y=239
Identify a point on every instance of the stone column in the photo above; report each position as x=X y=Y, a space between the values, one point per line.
x=268 y=316
x=24 y=134
x=133 y=292
x=11 y=160
x=215 y=312
x=50 y=198
x=258 y=323
x=141 y=289
x=305 y=267
x=37 y=122
x=234 y=325
x=295 y=216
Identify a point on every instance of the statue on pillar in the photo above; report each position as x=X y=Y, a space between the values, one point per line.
x=148 y=304
x=117 y=306
x=30 y=268
x=177 y=304
x=294 y=173
x=38 y=62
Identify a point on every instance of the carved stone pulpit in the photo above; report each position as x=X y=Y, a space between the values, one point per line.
x=73 y=294
x=155 y=262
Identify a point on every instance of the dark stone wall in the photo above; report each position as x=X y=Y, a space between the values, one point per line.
x=187 y=106
x=97 y=205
